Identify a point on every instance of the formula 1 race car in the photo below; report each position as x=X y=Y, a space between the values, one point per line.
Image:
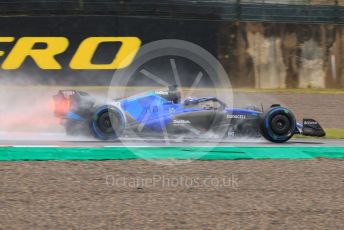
x=163 y=111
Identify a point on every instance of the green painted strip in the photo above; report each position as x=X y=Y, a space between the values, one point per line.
x=201 y=153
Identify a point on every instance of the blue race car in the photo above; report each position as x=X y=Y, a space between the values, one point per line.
x=163 y=111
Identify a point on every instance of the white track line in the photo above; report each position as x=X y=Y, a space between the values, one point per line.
x=162 y=146
x=36 y=146
x=166 y=146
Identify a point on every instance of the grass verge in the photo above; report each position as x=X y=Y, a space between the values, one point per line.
x=303 y=91
x=335 y=133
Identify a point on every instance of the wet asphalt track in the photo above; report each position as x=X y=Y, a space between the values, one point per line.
x=61 y=140
x=160 y=142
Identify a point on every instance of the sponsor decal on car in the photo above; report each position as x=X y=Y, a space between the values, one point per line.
x=181 y=122
x=161 y=92
x=236 y=116
x=310 y=123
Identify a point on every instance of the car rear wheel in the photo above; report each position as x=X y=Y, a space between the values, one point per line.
x=107 y=123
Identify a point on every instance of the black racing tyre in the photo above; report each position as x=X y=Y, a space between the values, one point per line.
x=278 y=125
x=108 y=123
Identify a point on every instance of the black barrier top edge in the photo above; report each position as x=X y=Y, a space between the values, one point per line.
x=196 y=10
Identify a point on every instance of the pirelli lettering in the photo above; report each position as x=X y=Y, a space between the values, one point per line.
x=45 y=58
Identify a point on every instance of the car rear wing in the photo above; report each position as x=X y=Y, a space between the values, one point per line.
x=67 y=93
x=62 y=102
x=66 y=101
